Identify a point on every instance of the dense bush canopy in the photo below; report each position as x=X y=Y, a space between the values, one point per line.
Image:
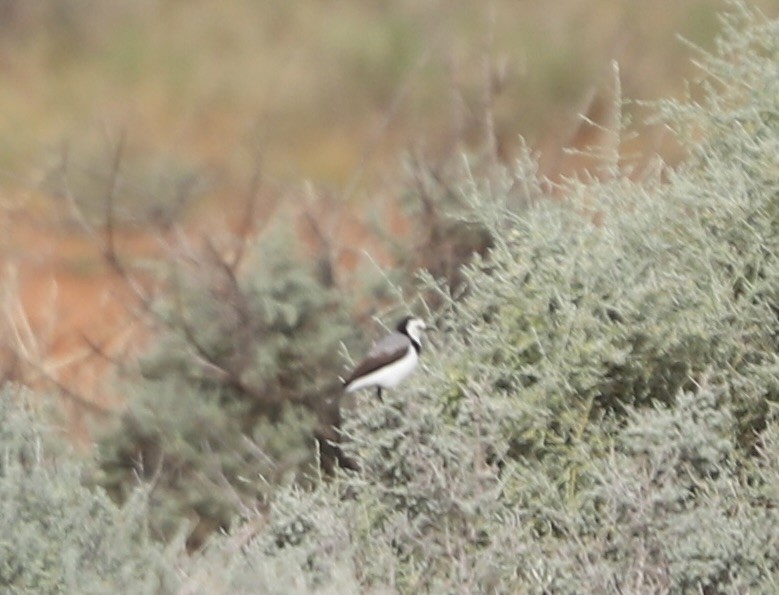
x=598 y=414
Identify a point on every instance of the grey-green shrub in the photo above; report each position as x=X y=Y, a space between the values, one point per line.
x=599 y=412
x=57 y=536
x=229 y=399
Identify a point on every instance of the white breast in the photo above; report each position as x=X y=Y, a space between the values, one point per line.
x=389 y=376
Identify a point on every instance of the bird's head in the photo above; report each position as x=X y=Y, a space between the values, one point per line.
x=412 y=327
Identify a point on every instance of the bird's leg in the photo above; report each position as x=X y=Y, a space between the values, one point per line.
x=378 y=394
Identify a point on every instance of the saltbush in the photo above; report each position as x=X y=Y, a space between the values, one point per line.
x=57 y=536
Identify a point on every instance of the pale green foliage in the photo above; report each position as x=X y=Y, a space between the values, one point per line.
x=205 y=465
x=669 y=508
x=308 y=550
x=57 y=536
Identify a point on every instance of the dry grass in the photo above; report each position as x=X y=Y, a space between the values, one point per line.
x=310 y=82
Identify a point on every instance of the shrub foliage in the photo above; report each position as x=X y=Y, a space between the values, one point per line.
x=599 y=414
x=230 y=400
x=57 y=536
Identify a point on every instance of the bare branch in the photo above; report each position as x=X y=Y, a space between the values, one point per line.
x=110 y=200
x=250 y=207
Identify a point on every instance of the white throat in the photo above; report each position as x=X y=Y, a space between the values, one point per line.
x=414 y=330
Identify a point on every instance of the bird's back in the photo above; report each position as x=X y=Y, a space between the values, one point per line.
x=391 y=344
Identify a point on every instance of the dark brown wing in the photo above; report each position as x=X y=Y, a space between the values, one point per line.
x=388 y=349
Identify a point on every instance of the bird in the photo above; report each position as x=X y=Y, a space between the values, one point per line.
x=390 y=360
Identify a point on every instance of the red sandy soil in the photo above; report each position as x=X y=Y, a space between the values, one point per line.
x=67 y=317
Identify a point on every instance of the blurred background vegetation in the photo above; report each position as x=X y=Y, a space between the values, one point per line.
x=321 y=90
